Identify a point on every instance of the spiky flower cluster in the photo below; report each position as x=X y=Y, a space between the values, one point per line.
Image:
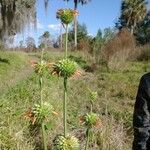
x=91 y=120
x=40 y=67
x=66 y=15
x=65 y=68
x=39 y=113
x=42 y=111
x=66 y=143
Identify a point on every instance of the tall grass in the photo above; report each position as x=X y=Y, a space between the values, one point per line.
x=116 y=94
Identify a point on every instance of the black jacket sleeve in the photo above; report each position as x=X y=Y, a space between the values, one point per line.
x=141 y=116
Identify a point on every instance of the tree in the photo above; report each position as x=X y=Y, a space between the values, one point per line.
x=143 y=31
x=21 y=44
x=101 y=38
x=44 y=40
x=132 y=13
x=76 y=2
x=108 y=34
x=15 y=15
x=30 y=43
x=82 y=32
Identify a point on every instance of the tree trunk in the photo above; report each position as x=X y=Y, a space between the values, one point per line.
x=75 y=26
x=133 y=27
x=132 y=30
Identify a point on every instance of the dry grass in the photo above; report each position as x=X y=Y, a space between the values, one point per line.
x=116 y=94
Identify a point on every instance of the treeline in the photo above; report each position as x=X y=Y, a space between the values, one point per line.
x=130 y=36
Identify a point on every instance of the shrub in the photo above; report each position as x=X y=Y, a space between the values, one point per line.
x=121 y=48
x=144 y=53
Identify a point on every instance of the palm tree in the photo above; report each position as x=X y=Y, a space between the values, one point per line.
x=76 y=2
x=132 y=13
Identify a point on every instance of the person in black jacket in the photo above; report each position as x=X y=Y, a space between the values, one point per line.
x=141 y=116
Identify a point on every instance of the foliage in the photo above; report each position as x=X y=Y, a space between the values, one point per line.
x=11 y=62
x=41 y=68
x=79 y=60
x=144 y=54
x=93 y=96
x=65 y=68
x=81 y=33
x=30 y=43
x=76 y=2
x=116 y=94
x=143 y=31
x=91 y=120
x=15 y=15
x=66 y=143
x=45 y=40
x=40 y=113
x=132 y=13
x=66 y=15
x=121 y=48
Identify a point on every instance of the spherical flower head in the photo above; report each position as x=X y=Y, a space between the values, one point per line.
x=66 y=15
x=65 y=68
x=40 y=112
x=91 y=120
x=66 y=143
x=41 y=67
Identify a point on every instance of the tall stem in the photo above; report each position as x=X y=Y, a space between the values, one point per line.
x=87 y=138
x=65 y=106
x=41 y=91
x=42 y=125
x=42 y=55
x=66 y=49
x=44 y=137
x=41 y=103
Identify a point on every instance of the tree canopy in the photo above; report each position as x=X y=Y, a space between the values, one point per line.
x=15 y=15
x=132 y=13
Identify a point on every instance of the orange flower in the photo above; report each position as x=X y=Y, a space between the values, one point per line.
x=76 y=13
x=81 y=120
x=50 y=65
x=78 y=73
x=29 y=115
x=33 y=63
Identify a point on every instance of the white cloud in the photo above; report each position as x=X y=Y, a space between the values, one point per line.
x=54 y=27
x=39 y=25
x=90 y=34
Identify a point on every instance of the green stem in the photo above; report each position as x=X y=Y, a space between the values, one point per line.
x=87 y=138
x=65 y=107
x=41 y=90
x=44 y=137
x=91 y=108
x=42 y=55
x=66 y=49
x=42 y=125
x=41 y=103
x=41 y=81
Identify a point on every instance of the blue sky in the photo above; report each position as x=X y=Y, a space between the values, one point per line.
x=96 y=14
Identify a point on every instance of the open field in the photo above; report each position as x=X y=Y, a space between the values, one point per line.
x=116 y=96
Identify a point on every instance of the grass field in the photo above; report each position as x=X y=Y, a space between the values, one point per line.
x=116 y=96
